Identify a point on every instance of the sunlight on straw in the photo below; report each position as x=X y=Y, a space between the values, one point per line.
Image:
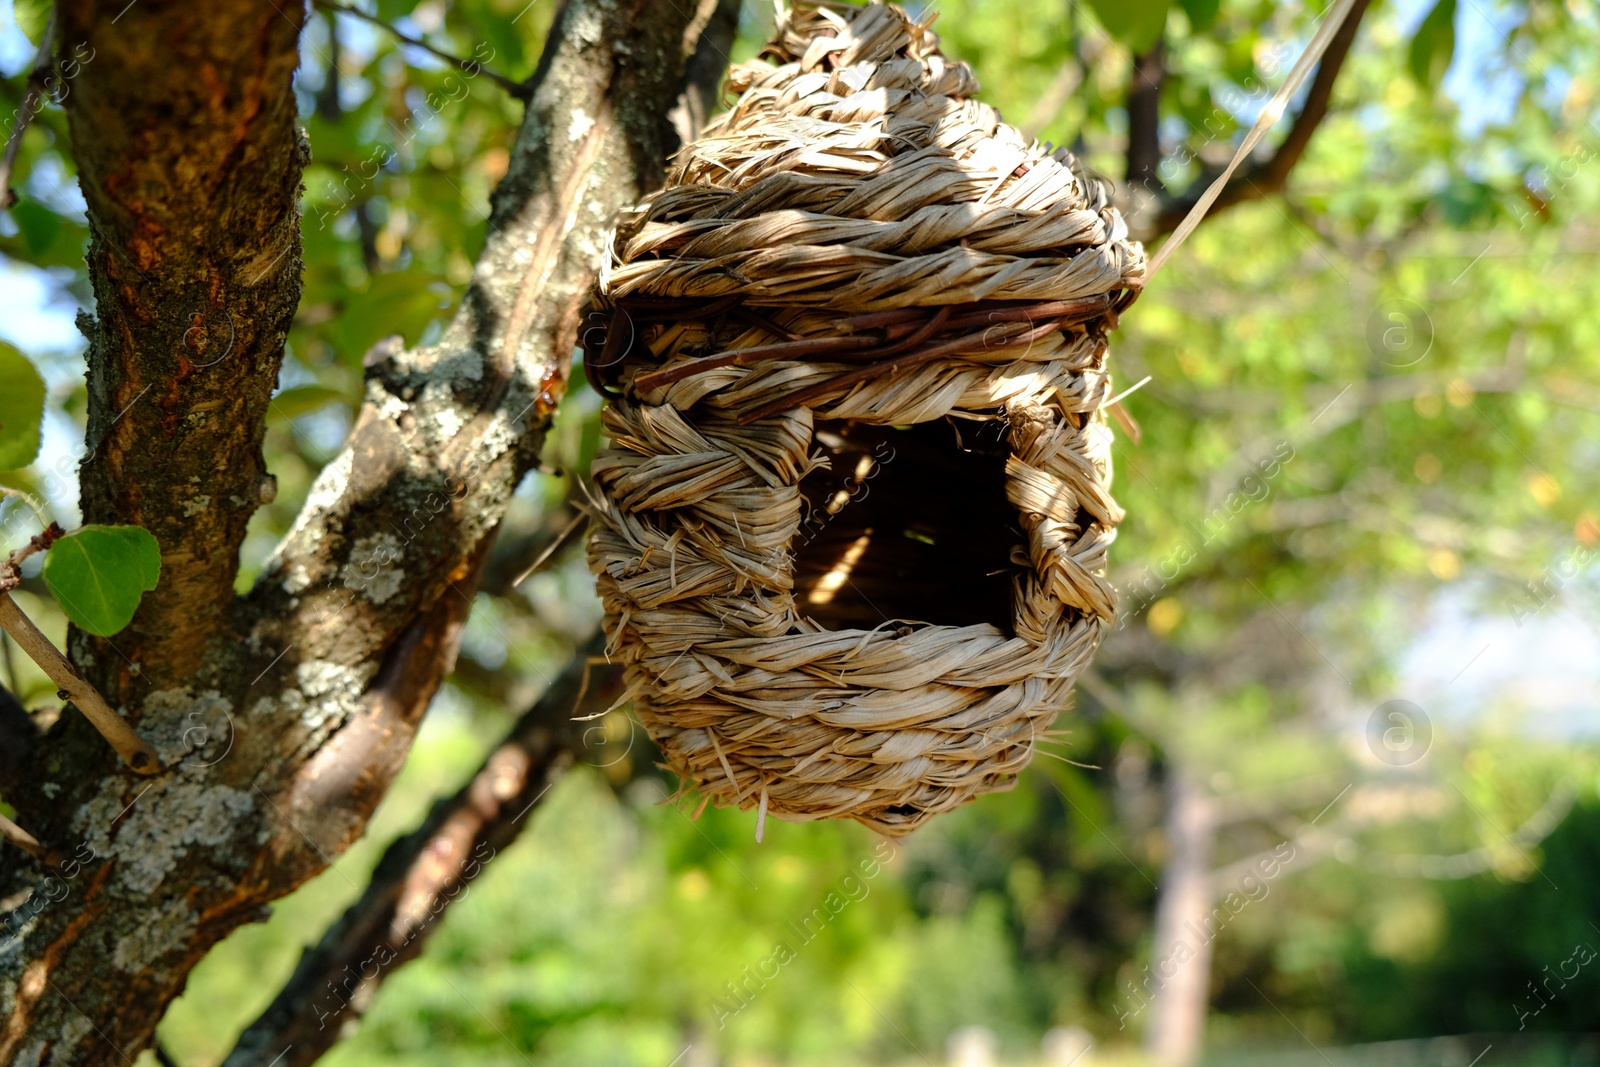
x=1129 y=391
x=830 y=584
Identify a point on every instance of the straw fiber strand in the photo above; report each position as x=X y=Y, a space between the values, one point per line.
x=852 y=522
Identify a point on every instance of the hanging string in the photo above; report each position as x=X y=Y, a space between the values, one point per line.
x=1265 y=121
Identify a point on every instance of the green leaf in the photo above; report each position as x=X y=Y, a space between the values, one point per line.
x=302 y=400
x=1202 y=13
x=100 y=573
x=1434 y=45
x=21 y=409
x=38 y=224
x=32 y=15
x=44 y=238
x=1464 y=202
x=401 y=302
x=1135 y=23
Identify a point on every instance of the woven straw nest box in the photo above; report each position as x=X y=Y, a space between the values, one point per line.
x=852 y=523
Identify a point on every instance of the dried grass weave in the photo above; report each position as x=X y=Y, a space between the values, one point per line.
x=853 y=520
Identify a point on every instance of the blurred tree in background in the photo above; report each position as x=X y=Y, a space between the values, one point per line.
x=1367 y=446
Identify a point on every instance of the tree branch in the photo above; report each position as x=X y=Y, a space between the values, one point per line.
x=1319 y=843
x=184 y=133
x=311 y=687
x=471 y=66
x=32 y=101
x=423 y=873
x=1269 y=176
x=448 y=431
x=1144 y=116
x=716 y=23
x=134 y=750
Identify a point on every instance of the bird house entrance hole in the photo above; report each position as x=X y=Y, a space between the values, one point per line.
x=909 y=524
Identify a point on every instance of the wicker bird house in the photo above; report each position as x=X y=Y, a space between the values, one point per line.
x=853 y=519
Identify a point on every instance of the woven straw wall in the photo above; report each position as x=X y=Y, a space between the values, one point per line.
x=853 y=520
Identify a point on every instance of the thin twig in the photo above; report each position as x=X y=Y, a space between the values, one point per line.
x=134 y=750
x=469 y=66
x=1215 y=190
x=11 y=569
x=32 y=102
x=917 y=336
x=15 y=834
x=550 y=550
x=755 y=318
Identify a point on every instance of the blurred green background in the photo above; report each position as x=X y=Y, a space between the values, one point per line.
x=1366 y=472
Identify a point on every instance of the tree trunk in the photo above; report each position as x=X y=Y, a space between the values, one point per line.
x=1182 y=947
x=423 y=873
x=281 y=716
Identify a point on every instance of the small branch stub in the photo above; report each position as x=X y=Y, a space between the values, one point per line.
x=52 y=858
x=20 y=837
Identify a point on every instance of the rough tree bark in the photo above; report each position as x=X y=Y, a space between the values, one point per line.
x=282 y=716
x=424 y=872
